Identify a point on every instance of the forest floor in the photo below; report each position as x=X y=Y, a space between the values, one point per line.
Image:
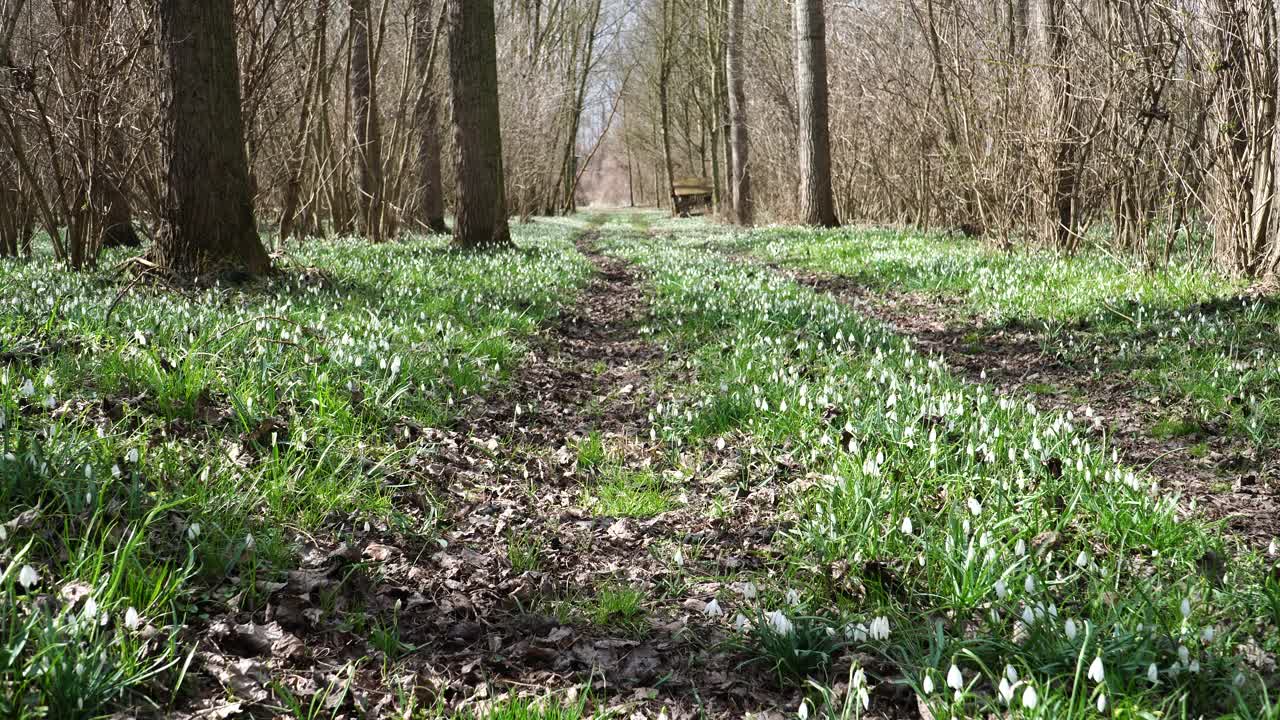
x=641 y=467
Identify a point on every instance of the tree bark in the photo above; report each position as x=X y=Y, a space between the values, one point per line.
x=740 y=171
x=430 y=190
x=208 y=225
x=817 y=206
x=364 y=99
x=477 y=130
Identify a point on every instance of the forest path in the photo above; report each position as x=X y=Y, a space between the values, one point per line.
x=575 y=553
x=1228 y=483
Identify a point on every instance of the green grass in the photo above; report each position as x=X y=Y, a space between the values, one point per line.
x=1181 y=332
x=157 y=444
x=622 y=492
x=1019 y=522
x=619 y=607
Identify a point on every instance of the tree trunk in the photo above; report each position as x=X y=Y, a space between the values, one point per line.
x=814 y=143
x=664 y=109
x=477 y=130
x=208 y=224
x=364 y=100
x=1060 y=184
x=430 y=189
x=740 y=171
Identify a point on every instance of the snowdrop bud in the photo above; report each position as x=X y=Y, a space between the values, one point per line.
x=1153 y=674
x=1002 y=590
x=975 y=507
x=28 y=577
x=1070 y=629
x=1186 y=607
x=678 y=558
x=1029 y=584
x=955 y=680
x=1020 y=548
x=906 y=526
x=1082 y=560
x=1029 y=698
x=131 y=619
x=1005 y=690
x=1096 y=672
x=1102 y=703
x=803 y=712
x=927 y=685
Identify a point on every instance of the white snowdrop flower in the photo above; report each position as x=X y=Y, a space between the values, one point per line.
x=1020 y=548
x=975 y=507
x=803 y=712
x=719 y=443
x=1070 y=629
x=1102 y=703
x=1096 y=671
x=712 y=608
x=927 y=685
x=1238 y=679
x=1272 y=548
x=741 y=623
x=28 y=577
x=1194 y=666
x=131 y=457
x=779 y=622
x=193 y=531
x=678 y=558
x=1082 y=560
x=1002 y=589
x=1186 y=607
x=793 y=597
x=1028 y=617
x=1029 y=584
x=1029 y=698
x=1184 y=655
x=2 y=418
x=1011 y=672
x=1153 y=674
x=749 y=590
x=1207 y=634
x=1005 y=690
x=249 y=542
x=28 y=389
x=116 y=472
x=131 y=619
x=879 y=629
x=90 y=608
x=907 y=528
x=955 y=679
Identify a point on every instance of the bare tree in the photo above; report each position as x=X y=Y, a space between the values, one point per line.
x=477 y=129
x=740 y=170
x=430 y=189
x=208 y=223
x=817 y=207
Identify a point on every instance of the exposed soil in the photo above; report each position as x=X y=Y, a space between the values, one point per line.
x=1228 y=482
x=457 y=624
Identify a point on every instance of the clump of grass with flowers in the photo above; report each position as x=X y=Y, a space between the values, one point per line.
x=1007 y=563
x=161 y=451
x=1195 y=339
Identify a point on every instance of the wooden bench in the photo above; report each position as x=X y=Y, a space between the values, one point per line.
x=690 y=193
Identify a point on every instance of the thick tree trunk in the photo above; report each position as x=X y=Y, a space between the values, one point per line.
x=814 y=143
x=1060 y=185
x=477 y=129
x=740 y=171
x=364 y=100
x=208 y=222
x=430 y=190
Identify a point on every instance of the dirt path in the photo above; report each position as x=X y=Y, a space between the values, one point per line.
x=509 y=596
x=1226 y=483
